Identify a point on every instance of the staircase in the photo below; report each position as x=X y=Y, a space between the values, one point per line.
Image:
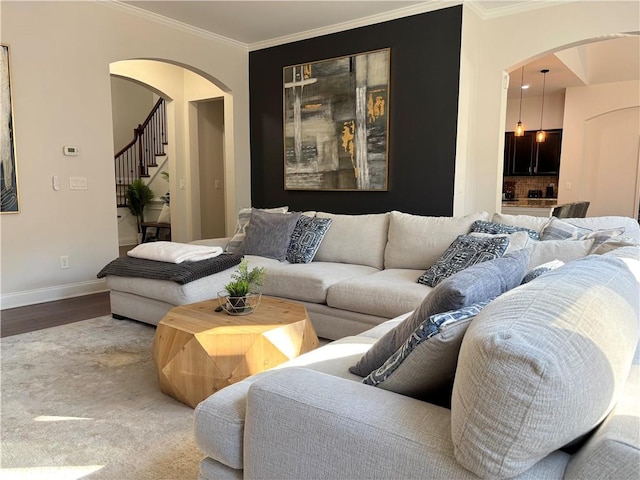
x=135 y=159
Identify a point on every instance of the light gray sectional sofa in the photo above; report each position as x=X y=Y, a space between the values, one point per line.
x=543 y=382
x=546 y=386
x=363 y=273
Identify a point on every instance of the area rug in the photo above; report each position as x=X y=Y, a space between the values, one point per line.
x=82 y=401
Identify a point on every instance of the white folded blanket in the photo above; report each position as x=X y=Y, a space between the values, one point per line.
x=174 y=252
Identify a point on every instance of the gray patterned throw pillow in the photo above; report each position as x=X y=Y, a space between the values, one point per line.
x=306 y=238
x=427 y=360
x=268 y=234
x=466 y=250
x=560 y=230
x=475 y=284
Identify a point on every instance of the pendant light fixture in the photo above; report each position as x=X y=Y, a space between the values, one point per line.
x=541 y=136
x=519 y=131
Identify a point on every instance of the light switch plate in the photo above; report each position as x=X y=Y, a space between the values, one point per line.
x=77 y=183
x=71 y=150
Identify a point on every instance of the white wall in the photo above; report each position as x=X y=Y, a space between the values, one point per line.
x=553 y=112
x=615 y=168
x=490 y=47
x=61 y=53
x=131 y=103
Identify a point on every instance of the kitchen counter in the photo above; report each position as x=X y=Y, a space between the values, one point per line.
x=537 y=207
x=531 y=202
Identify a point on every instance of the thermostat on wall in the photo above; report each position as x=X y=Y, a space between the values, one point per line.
x=71 y=151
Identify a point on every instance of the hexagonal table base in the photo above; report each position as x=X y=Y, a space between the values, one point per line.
x=198 y=351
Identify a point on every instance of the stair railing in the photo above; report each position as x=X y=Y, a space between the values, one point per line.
x=134 y=160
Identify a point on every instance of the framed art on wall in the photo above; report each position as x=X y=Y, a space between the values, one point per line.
x=336 y=123
x=8 y=175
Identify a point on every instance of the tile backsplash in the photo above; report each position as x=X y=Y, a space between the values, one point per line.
x=522 y=185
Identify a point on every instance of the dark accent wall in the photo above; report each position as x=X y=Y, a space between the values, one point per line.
x=423 y=113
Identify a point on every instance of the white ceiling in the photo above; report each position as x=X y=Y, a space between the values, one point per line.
x=252 y=22
x=262 y=23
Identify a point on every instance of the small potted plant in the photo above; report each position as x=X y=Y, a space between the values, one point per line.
x=241 y=295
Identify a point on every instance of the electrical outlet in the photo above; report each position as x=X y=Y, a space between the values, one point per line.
x=568 y=185
x=64 y=262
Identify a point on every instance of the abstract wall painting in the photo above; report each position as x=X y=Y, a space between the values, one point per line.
x=8 y=175
x=336 y=123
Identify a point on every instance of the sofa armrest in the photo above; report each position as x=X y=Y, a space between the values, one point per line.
x=212 y=242
x=306 y=424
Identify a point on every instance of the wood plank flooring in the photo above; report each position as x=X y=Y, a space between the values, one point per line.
x=18 y=320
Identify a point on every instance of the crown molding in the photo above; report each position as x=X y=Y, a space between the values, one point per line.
x=427 y=6
x=154 y=17
x=424 y=7
x=511 y=8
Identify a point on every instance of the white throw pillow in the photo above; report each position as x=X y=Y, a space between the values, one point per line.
x=564 y=250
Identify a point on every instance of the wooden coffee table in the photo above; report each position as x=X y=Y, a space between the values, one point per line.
x=197 y=351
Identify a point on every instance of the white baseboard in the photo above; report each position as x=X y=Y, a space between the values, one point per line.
x=49 y=294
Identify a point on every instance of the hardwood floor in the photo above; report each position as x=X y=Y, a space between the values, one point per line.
x=18 y=320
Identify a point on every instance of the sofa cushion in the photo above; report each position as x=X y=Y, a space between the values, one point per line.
x=306 y=238
x=387 y=293
x=427 y=360
x=611 y=245
x=308 y=282
x=475 y=284
x=543 y=364
x=269 y=234
x=565 y=250
x=466 y=250
x=525 y=221
x=219 y=419
x=244 y=217
x=630 y=225
x=356 y=239
x=627 y=251
x=416 y=241
x=481 y=226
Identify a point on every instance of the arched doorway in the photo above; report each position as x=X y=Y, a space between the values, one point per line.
x=184 y=90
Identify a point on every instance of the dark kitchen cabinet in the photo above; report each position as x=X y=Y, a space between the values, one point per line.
x=524 y=156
